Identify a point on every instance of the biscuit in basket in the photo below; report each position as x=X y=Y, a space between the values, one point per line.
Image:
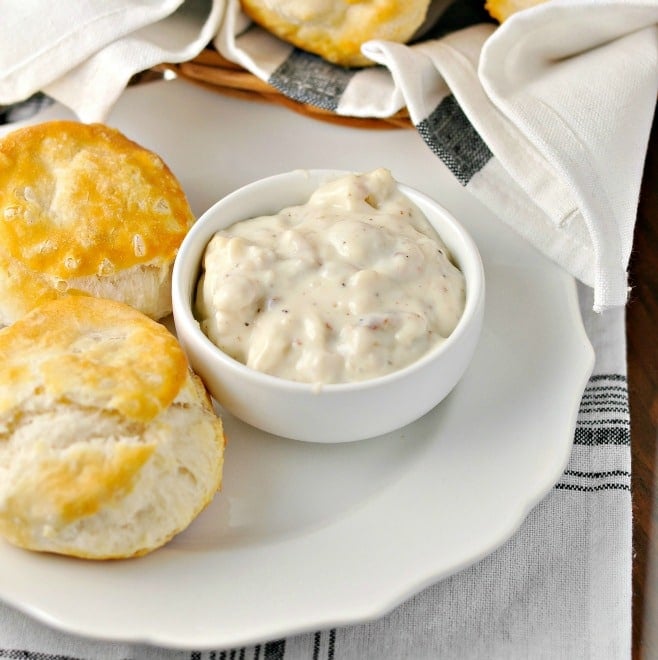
x=83 y=209
x=108 y=442
x=335 y=29
x=501 y=10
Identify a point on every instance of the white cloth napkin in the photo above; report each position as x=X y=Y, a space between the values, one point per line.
x=552 y=109
x=84 y=53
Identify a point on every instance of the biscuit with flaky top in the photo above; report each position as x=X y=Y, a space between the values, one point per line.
x=109 y=445
x=336 y=29
x=83 y=209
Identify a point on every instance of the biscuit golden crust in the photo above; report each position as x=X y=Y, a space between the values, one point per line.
x=82 y=201
x=91 y=352
x=336 y=29
x=109 y=445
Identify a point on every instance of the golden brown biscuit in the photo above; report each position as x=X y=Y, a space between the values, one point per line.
x=503 y=9
x=108 y=442
x=335 y=29
x=83 y=209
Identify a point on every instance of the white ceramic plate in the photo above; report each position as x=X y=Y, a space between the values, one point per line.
x=308 y=536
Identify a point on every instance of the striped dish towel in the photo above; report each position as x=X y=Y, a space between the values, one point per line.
x=559 y=588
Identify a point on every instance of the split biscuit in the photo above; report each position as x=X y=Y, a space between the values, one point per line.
x=109 y=445
x=85 y=210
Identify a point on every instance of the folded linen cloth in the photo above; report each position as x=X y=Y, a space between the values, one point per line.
x=545 y=118
x=84 y=53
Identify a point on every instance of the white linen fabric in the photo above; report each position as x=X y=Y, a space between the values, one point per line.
x=84 y=53
x=559 y=588
x=545 y=118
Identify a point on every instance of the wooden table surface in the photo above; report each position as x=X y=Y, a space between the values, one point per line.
x=642 y=351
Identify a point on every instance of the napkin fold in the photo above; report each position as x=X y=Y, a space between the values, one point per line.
x=84 y=53
x=591 y=142
x=545 y=118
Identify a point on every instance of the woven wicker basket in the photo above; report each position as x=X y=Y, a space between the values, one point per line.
x=210 y=70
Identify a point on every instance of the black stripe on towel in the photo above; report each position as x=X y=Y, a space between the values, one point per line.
x=612 y=429
x=597 y=475
x=614 y=377
x=594 y=437
x=600 y=422
x=449 y=134
x=586 y=407
x=610 y=401
x=593 y=489
x=309 y=79
x=332 y=644
x=608 y=393
x=24 y=109
x=16 y=654
x=316 y=646
x=275 y=650
x=592 y=481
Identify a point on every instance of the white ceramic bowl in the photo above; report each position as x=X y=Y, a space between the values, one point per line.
x=337 y=412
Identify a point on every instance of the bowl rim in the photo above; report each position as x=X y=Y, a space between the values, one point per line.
x=200 y=234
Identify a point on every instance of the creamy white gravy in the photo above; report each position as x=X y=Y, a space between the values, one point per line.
x=352 y=285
